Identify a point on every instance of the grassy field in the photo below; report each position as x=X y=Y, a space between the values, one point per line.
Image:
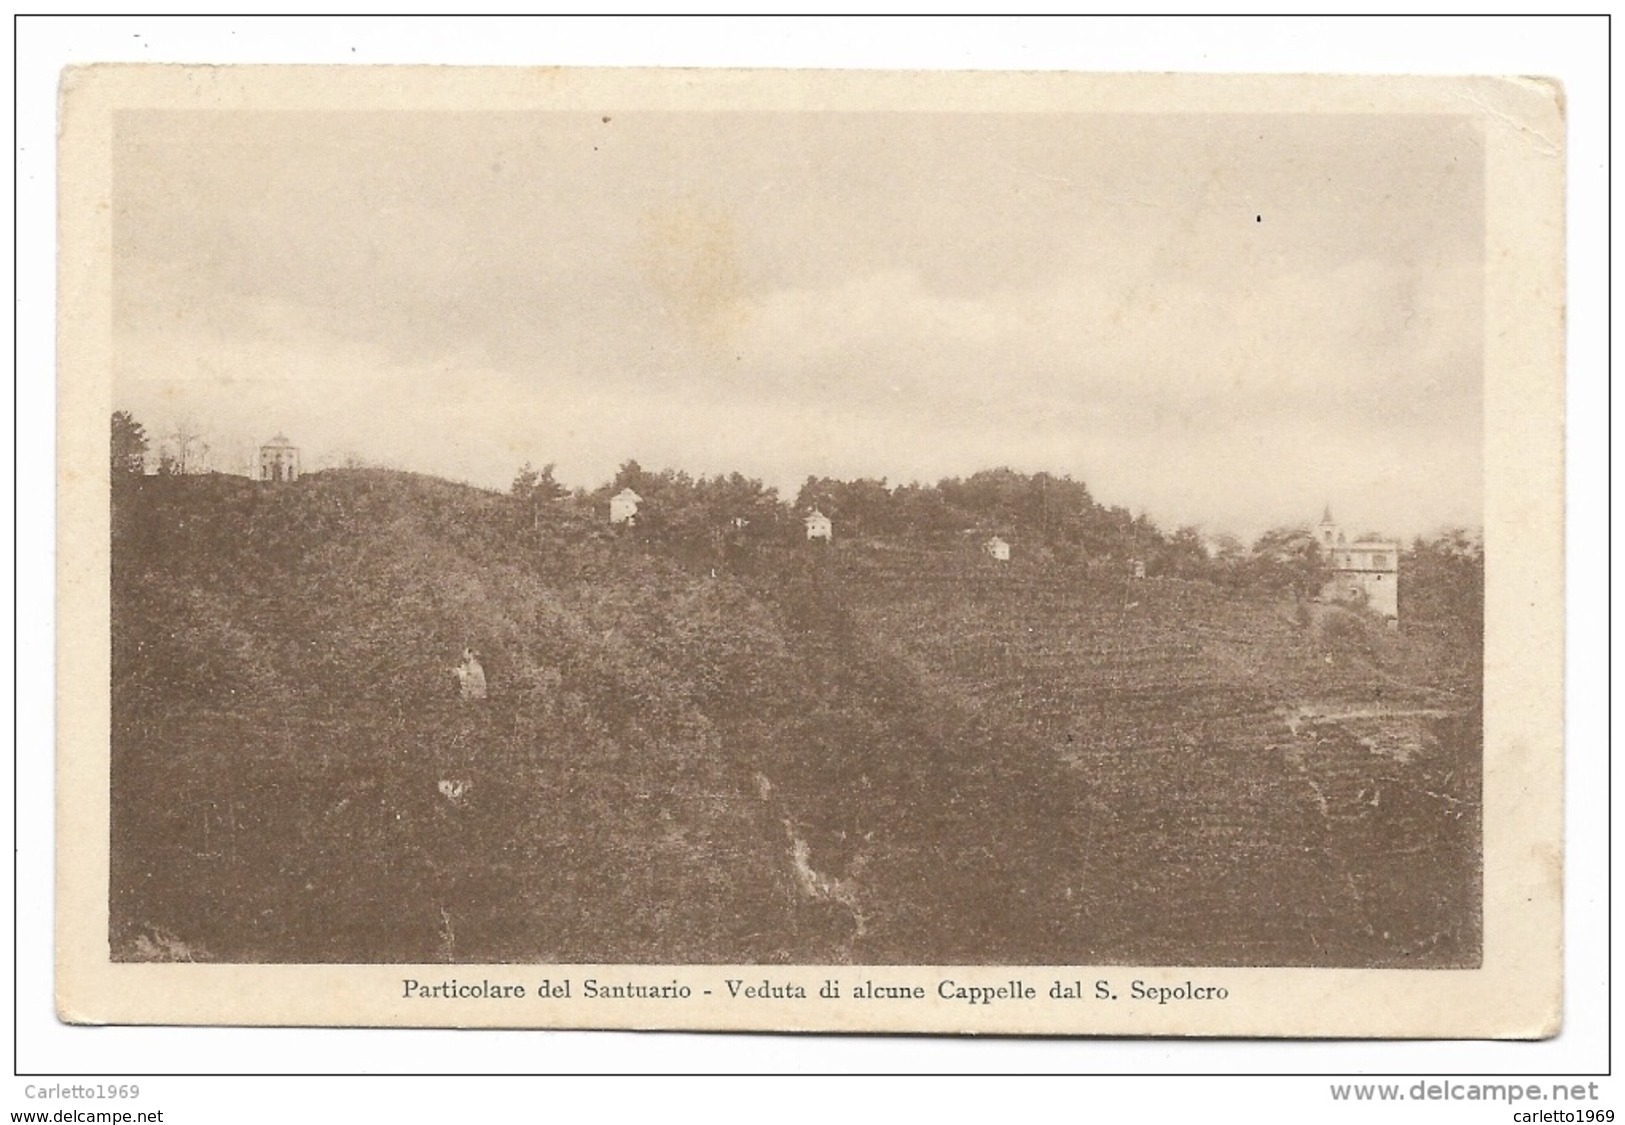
x=864 y=753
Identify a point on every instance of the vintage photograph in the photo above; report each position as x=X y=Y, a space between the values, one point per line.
x=775 y=534
x=796 y=538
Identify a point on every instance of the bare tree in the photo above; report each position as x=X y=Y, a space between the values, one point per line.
x=185 y=450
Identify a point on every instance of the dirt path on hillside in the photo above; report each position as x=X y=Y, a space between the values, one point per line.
x=1307 y=713
x=923 y=824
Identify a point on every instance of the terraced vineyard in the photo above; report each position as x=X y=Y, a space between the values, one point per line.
x=1242 y=788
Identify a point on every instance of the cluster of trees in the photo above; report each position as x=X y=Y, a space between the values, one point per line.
x=721 y=516
x=1283 y=558
x=1442 y=584
x=183 y=451
x=534 y=491
x=129 y=450
x=1048 y=515
x=1055 y=513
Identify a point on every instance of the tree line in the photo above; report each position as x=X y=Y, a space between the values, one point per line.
x=1047 y=516
x=183 y=451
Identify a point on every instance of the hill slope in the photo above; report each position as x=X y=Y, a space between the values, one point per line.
x=857 y=754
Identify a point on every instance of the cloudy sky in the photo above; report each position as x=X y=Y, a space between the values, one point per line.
x=1218 y=320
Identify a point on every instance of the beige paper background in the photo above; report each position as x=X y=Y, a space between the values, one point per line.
x=1515 y=994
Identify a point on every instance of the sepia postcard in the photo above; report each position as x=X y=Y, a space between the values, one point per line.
x=811 y=551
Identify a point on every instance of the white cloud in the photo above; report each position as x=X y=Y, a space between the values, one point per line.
x=829 y=295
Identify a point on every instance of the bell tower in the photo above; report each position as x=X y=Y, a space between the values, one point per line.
x=1326 y=533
